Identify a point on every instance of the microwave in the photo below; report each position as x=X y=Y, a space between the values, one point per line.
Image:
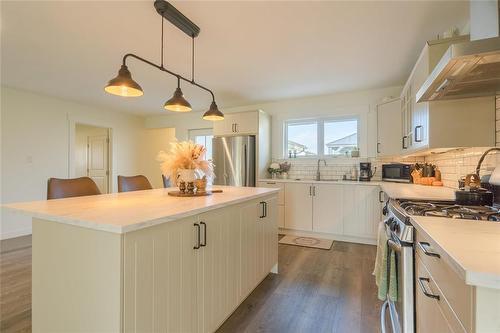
x=397 y=172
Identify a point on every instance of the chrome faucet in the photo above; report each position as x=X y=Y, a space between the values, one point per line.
x=318 y=174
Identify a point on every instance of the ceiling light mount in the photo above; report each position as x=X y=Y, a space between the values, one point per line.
x=123 y=85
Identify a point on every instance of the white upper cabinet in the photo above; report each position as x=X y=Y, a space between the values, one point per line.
x=238 y=123
x=389 y=128
x=442 y=124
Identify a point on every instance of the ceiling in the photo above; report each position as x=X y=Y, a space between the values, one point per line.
x=247 y=52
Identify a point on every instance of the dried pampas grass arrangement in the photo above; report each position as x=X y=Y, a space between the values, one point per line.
x=184 y=155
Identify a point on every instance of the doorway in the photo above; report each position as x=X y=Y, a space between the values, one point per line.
x=91 y=154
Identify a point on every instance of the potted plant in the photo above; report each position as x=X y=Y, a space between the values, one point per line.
x=274 y=169
x=284 y=168
x=184 y=160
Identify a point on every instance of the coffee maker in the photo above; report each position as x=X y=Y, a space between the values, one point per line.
x=365 y=171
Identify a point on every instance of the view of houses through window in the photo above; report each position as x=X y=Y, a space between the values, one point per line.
x=321 y=137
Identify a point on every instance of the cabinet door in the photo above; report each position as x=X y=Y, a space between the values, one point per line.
x=389 y=128
x=251 y=246
x=327 y=208
x=160 y=278
x=246 y=123
x=270 y=235
x=298 y=206
x=362 y=210
x=237 y=123
x=274 y=184
x=219 y=270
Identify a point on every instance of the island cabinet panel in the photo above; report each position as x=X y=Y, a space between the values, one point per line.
x=218 y=266
x=190 y=275
x=160 y=278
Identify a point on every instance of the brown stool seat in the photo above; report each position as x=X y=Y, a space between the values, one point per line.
x=133 y=183
x=74 y=187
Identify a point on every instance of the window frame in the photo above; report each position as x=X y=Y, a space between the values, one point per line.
x=320 y=132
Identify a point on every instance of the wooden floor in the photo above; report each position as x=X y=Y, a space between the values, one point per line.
x=316 y=291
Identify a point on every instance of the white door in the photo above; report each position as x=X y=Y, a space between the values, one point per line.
x=389 y=128
x=328 y=208
x=97 y=161
x=298 y=206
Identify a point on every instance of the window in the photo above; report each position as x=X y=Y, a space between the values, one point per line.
x=203 y=136
x=321 y=137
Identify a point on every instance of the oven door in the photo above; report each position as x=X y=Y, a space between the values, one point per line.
x=401 y=312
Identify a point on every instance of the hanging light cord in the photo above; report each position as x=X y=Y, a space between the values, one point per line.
x=161 y=41
x=192 y=61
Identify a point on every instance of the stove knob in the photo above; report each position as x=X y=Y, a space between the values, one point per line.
x=389 y=222
x=395 y=227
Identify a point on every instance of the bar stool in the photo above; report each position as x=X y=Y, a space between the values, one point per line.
x=74 y=187
x=133 y=183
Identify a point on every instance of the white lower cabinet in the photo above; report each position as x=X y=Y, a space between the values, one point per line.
x=298 y=206
x=350 y=210
x=328 y=209
x=281 y=199
x=361 y=210
x=190 y=275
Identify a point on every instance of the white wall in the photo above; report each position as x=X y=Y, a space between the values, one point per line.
x=155 y=139
x=360 y=103
x=37 y=133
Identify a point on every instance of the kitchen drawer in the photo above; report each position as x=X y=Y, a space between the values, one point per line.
x=272 y=184
x=432 y=315
x=457 y=293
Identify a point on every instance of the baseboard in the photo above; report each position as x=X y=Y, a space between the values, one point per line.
x=342 y=238
x=15 y=233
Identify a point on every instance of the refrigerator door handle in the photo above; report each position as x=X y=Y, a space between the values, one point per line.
x=245 y=153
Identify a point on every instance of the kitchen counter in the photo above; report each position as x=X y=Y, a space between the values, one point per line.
x=471 y=248
x=393 y=190
x=129 y=211
x=312 y=181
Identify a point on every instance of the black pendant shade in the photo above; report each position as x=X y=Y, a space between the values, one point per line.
x=124 y=85
x=178 y=103
x=213 y=113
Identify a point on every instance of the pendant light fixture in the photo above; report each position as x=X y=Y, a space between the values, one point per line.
x=124 y=85
x=178 y=103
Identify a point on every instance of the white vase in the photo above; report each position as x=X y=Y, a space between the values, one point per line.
x=186 y=175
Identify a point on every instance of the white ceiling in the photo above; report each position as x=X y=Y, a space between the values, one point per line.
x=247 y=52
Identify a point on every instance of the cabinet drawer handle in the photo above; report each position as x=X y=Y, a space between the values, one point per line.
x=310 y=191
x=378 y=147
x=263 y=211
x=423 y=246
x=424 y=290
x=236 y=128
x=416 y=132
x=197 y=246
x=204 y=234
x=271 y=183
x=314 y=191
x=404 y=142
x=380 y=197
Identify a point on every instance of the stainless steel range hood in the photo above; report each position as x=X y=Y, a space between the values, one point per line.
x=469 y=69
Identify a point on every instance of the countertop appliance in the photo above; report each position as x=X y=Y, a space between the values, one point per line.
x=234 y=160
x=396 y=172
x=365 y=171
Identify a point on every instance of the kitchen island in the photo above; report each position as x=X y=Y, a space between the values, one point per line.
x=146 y=261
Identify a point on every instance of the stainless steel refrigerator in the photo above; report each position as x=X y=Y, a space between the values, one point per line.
x=234 y=160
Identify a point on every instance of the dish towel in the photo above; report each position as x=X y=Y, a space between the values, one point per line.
x=384 y=267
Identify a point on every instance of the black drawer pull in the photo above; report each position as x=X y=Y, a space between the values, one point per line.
x=423 y=246
x=422 y=287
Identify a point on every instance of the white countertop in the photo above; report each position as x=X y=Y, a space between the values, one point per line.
x=393 y=190
x=472 y=248
x=418 y=192
x=312 y=181
x=129 y=211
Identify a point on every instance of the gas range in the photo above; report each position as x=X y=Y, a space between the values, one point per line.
x=399 y=212
x=450 y=210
